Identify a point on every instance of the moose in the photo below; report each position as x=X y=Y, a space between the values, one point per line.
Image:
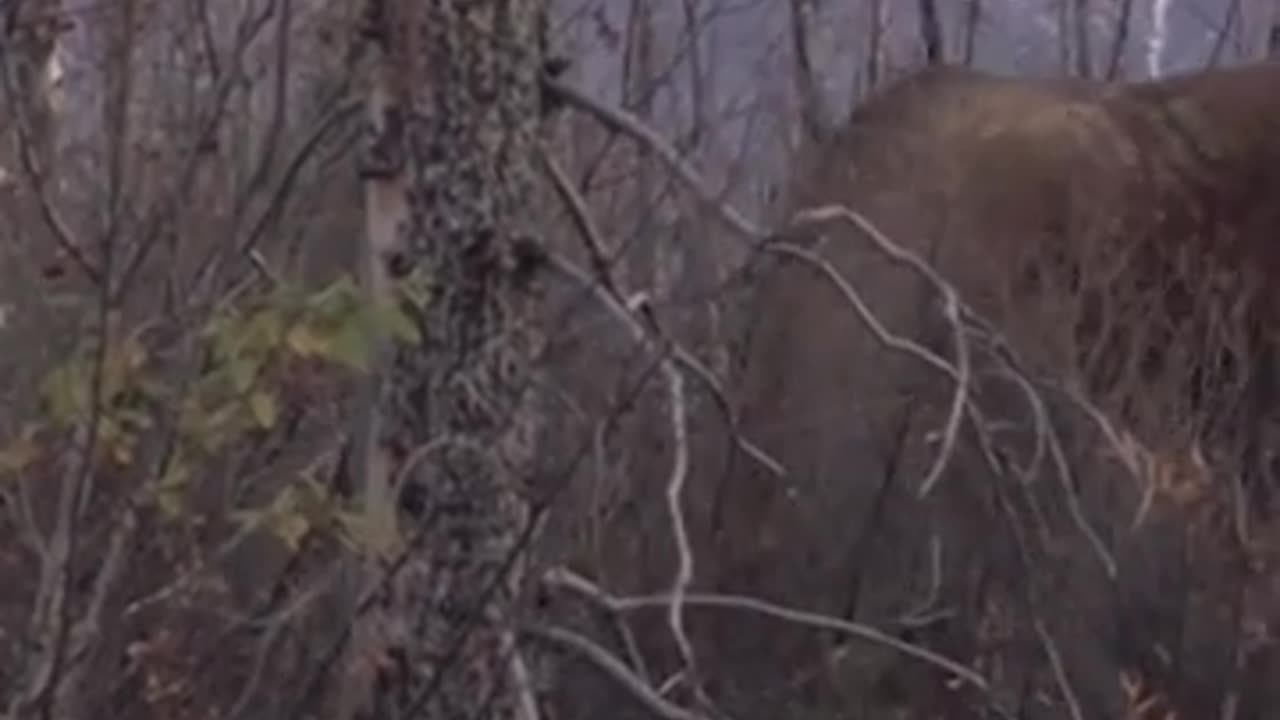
x=1122 y=240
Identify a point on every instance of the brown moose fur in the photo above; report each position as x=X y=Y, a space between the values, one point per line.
x=1123 y=238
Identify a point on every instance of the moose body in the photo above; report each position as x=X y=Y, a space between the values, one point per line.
x=1021 y=189
x=1125 y=240
x=1123 y=236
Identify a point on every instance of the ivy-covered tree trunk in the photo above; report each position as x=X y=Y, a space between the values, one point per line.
x=455 y=115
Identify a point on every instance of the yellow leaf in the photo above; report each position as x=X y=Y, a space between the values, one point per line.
x=351 y=347
x=243 y=371
x=122 y=452
x=134 y=352
x=176 y=474
x=265 y=329
x=168 y=492
x=289 y=526
x=66 y=391
x=247 y=519
x=264 y=408
x=122 y=361
x=21 y=452
x=135 y=420
x=286 y=518
x=169 y=502
x=304 y=341
x=374 y=533
x=211 y=428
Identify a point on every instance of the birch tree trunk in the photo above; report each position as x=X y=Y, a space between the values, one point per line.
x=455 y=111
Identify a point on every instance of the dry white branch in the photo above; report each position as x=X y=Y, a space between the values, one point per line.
x=1041 y=416
x=635 y=315
x=633 y=312
x=680 y=462
x=1067 y=482
x=621 y=121
x=624 y=122
x=526 y=699
x=1128 y=451
x=924 y=610
x=960 y=375
x=623 y=307
x=566 y=579
x=675 y=489
x=1059 y=671
x=1048 y=434
x=951 y=310
x=614 y=668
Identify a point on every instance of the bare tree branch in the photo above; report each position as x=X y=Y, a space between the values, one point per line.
x=1059 y=671
x=566 y=579
x=962 y=372
x=626 y=123
x=614 y=299
x=615 y=669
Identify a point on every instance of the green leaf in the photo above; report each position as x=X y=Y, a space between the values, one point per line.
x=66 y=392
x=243 y=372
x=222 y=331
x=116 y=440
x=339 y=298
x=265 y=329
x=351 y=347
x=393 y=319
x=211 y=428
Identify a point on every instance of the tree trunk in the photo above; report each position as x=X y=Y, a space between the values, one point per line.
x=1084 y=47
x=455 y=110
x=931 y=33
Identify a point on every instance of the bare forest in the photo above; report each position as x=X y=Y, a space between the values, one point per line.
x=693 y=360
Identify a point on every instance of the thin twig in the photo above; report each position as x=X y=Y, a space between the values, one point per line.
x=1059 y=671
x=624 y=122
x=58 y=227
